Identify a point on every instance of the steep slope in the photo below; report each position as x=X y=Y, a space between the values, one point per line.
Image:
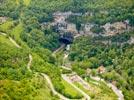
x=16 y=81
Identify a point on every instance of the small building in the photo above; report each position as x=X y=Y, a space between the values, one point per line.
x=101 y=69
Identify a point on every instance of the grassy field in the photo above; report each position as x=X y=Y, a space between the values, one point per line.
x=5 y=40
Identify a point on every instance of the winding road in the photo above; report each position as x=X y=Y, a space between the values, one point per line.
x=52 y=87
x=64 y=76
x=45 y=76
x=86 y=97
x=110 y=85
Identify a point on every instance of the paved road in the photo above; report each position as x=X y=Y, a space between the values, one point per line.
x=116 y=91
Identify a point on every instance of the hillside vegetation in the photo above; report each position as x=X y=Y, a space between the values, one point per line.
x=23 y=28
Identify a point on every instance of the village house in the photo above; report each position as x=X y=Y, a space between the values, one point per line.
x=101 y=70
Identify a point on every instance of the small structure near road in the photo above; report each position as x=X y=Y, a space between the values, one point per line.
x=101 y=69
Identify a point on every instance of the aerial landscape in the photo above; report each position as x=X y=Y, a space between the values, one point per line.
x=66 y=49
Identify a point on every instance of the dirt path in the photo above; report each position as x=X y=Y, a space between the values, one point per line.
x=47 y=78
x=30 y=62
x=52 y=88
x=18 y=46
x=3 y=33
x=86 y=97
x=12 y=40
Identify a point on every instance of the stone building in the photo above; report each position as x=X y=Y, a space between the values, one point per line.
x=101 y=69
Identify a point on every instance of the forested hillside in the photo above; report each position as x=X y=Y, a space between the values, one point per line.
x=33 y=61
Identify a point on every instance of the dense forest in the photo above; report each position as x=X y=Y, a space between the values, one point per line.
x=23 y=25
